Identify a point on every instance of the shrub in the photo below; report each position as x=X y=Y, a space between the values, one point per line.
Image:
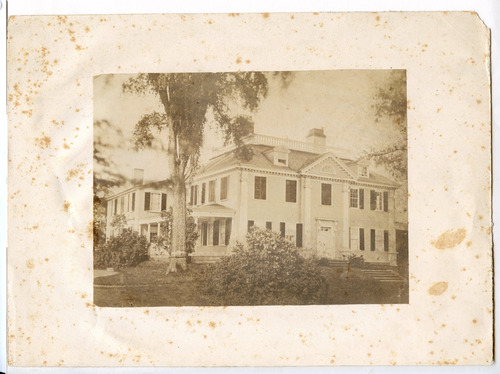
x=268 y=270
x=355 y=261
x=124 y=250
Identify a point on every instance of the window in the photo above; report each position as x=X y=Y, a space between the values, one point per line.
x=147 y=200
x=372 y=240
x=228 y=231
x=361 y=239
x=250 y=224
x=282 y=161
x=363 y=171
x=203 y=192
x=223 y=188
x=386 y=241
x=133 y=202
x=282 y=229
x=379 y=200
x=298 y=236
x=291 y=191
x=379 y=238
x=354 y=198
x=269 y=225
x=163 y=201
x=326 y=194
x=211 y=191
x=155 y=202
x=260 y=188
x=215 y=236
x=193 y=200
x=204 y=233
x=153 y=231
x=354 y=238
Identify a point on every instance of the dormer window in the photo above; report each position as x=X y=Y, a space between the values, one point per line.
x=363 y=171
x=278 y=155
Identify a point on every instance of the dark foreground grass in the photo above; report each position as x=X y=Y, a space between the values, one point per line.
x=148 y=285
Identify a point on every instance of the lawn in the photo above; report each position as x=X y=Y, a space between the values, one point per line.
x=148 y=285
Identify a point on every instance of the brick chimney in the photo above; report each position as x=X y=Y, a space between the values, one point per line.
x=138 y=177
x=316 y=136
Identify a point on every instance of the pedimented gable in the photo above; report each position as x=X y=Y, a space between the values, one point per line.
x=328 y=165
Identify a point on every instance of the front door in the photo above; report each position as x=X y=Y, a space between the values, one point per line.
x=326 y=239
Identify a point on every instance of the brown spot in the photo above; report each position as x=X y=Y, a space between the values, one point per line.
x=450 y=239
x=247 y=61
x=438 y=288
x=377 y=18
x=30 y=264
x=212 y=324
x=238 y=60
x=474 y=320
x=265 y=15
x=146 y=312
x=66 y=205
x=43 y=142
x=233 y=14
x=478 y=101
x=65 y=146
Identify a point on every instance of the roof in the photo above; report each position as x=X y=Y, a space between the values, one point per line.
x=297 y=161
x=165 y=183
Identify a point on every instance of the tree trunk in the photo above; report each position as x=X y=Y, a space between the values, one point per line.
x=178 y=217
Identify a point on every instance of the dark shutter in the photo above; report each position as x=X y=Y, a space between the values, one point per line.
x=216 y=233
x=361 y=198
x=373 y=200
x=326 y=194
x=115 y=208
x=372 y=239
x=298 y=236
x=361 y=239
x=386 y=241
x=282 y=229
x=386 y=201
x=147 y=200
x=163 y=201
x=250 y=224
x=228 y=230
x=133 y=201
x=269 y=225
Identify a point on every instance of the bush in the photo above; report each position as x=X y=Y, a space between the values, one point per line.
x=355 y=261
x=268 y=270
x=125 y=250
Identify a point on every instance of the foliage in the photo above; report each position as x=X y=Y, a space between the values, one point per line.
x=99 y=222
x=392 y=105
x=124 y=250
x=355 y=261
x=119 y=222
x=268 y=270
x=162 y=244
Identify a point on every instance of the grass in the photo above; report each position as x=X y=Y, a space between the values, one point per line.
x=148 y=285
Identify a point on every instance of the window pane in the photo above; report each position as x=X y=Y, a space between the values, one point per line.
x=354 y=198
x=291 y=191
x=326 y=194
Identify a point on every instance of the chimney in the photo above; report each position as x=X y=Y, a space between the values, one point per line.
x=138 y=177
x=316 y=136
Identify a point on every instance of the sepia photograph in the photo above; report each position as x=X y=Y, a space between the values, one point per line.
x=250 y=188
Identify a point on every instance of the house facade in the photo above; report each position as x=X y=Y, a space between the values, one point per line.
x=329 y=206
x=141 y=205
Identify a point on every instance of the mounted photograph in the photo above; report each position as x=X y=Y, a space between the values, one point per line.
x=250 y=188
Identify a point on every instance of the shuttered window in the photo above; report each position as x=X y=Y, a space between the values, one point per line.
x=204 y=233
x=260 y=188
x=133 y=201
x=361 y=198
x=223 y=188
x=291 y=191
x=269 y=225
x=386 y=201
x=211 y=191
x=372 y=239
x=147 y=200
x=228 y=230
x=203 y=192
x=353 y=203
x=250 y=224
x=354 y=238
x=361 y=239
x=163 y=201
x=282 y=229
x=215 y=236
x=386 y=241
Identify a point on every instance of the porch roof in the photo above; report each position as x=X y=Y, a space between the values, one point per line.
x=212 y=210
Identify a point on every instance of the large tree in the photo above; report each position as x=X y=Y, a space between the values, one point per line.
x=391 y=105
x=189 y=101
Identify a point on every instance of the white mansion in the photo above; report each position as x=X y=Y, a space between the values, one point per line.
x=323 y=203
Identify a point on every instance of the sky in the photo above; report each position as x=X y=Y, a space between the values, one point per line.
x=340 y=101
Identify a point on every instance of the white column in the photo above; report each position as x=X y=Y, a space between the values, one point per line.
x=306 y=214
x=345 y=216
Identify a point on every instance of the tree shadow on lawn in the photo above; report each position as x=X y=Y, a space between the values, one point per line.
x=148 y=285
